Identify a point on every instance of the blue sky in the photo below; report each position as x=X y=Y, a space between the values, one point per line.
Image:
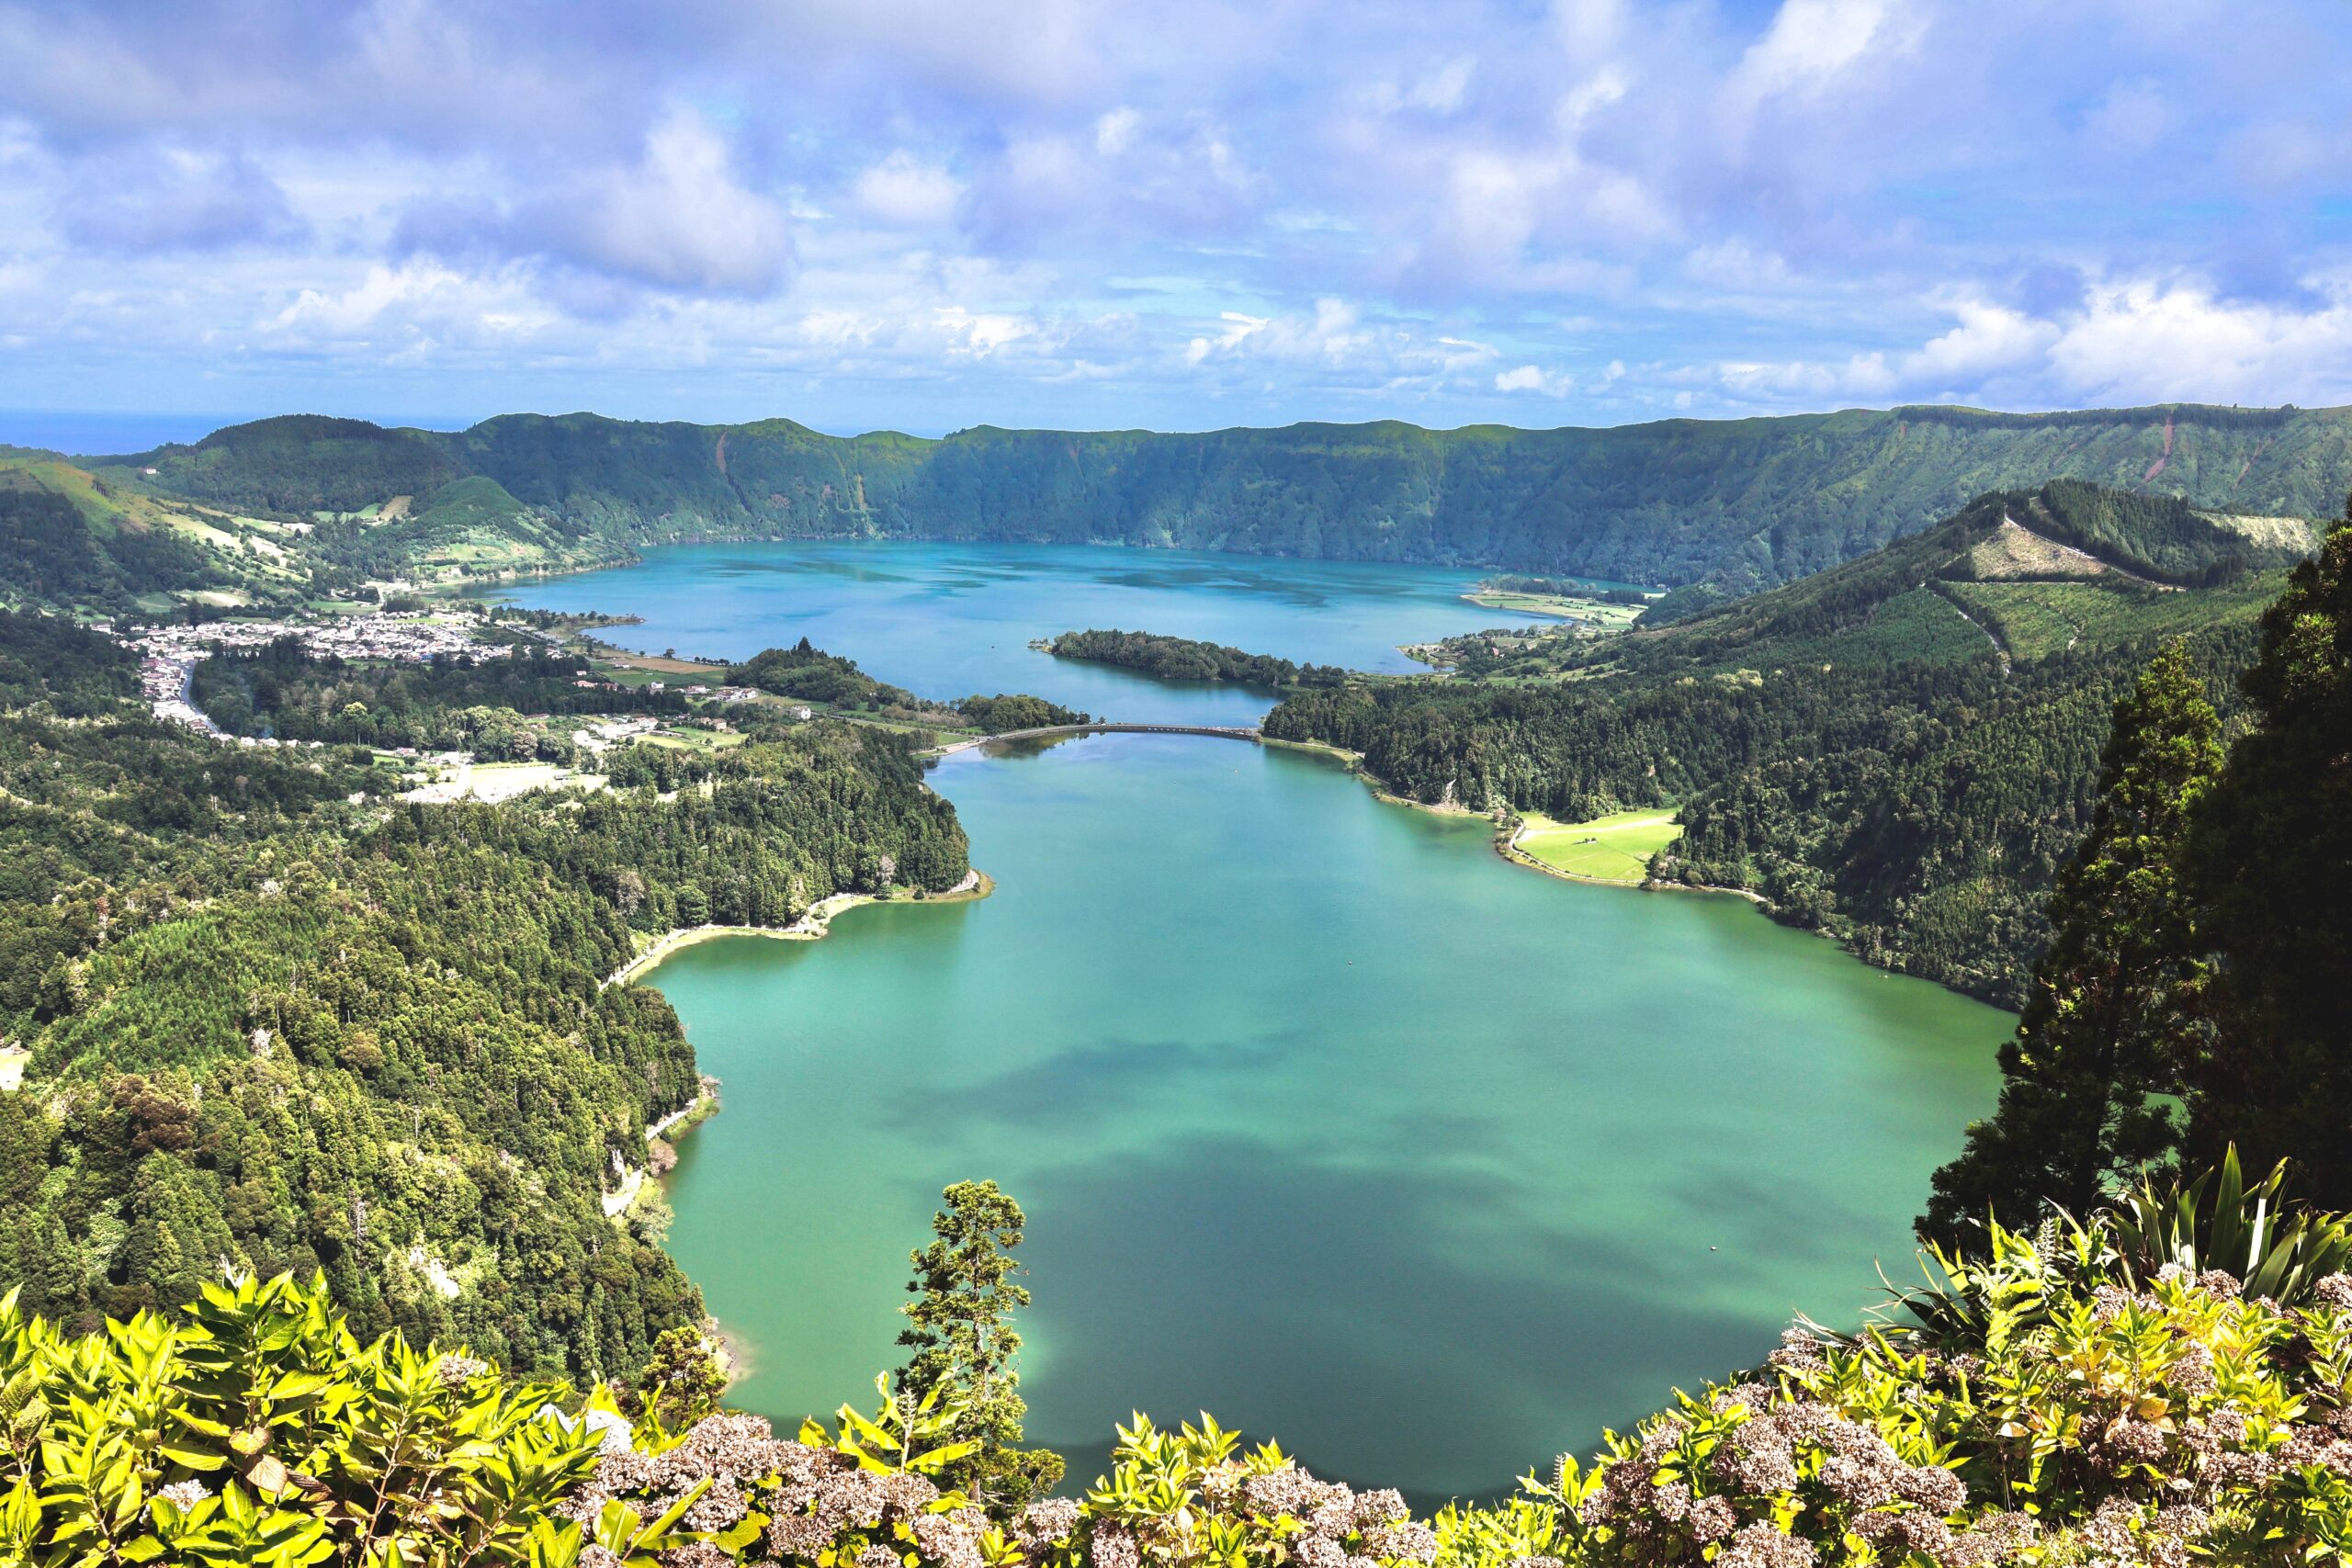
x=1172 y=213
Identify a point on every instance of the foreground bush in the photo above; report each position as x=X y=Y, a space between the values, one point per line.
x=2096 y=1393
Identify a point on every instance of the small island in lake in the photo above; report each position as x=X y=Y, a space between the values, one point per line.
x=1183 y=659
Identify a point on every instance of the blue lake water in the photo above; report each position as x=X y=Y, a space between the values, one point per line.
x=947 y=620
x=1326 y=1118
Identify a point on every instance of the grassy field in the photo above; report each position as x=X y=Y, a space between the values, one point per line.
x=693 y=739
x=2040 y=618
x=1607 y=848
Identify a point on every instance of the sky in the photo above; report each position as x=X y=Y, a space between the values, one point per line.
x=1182 y=214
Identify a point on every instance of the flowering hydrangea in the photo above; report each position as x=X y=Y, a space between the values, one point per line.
x=2158 y=1419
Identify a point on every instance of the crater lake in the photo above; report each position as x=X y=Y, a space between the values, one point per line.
x=1326 y=1118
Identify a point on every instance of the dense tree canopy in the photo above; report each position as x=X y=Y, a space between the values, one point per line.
x=276 y=1019
x=1183 y=659
x=2082 y=1107
x=1858 y=747
x=2271 y=861
x=493 y=706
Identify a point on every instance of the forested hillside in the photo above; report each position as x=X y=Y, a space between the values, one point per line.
x=275 y=1019
x=72 y=540
x=1714 y=507
x=1874 y=750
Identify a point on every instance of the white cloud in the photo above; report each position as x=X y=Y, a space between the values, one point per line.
x=1533 y=378
x=1812 y=43
x=2126 y=341
x=1339 y=346
x=420 y=300
x=903 y=190
x=1796 y=203
x=1329 y=335
x=983 y=333
x=682 y=219
x=1115 y=131
x=2148 y=340
x=1988 y=340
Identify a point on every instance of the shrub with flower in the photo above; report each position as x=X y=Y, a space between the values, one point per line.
x=2102 y=1393
x=2093 y=1393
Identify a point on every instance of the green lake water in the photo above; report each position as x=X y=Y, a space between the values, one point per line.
x=1326 y=1118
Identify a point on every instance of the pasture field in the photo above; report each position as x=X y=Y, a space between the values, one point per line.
x=1616 y=848
x=692 y=740
x=2036 y=619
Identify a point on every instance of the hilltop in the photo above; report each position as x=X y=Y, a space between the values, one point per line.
x=1711 y=509
x=1899 y=750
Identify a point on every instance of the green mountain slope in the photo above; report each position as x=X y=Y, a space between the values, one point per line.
x=300 y=464
x=1728 y=506
x=1898 y=750
x=469 y=526
x=74 y=540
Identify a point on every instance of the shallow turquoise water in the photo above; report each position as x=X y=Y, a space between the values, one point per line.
x=1326 y=1118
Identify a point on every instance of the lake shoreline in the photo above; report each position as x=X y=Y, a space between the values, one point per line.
x=1506 y=845
x=735 y=1353
x=1117 y=1004
x=1507 y=829
x=811 y=927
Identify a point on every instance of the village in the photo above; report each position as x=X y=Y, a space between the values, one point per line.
x=169 y=654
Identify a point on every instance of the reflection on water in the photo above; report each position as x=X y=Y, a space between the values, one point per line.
x=1324 y=1118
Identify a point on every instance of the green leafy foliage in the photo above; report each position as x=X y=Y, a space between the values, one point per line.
x=1004 y=713
x=272 y=1024
x=2160 y=536
x=299 y=464
x=474 y=705
x=810 y=674
x=2277 y=1250
x=681 y=1384
x=2268 y=859
x=259 y=1431
x=55 y=555
x=2100 y=1389
x=76 y=673
x=469 y=526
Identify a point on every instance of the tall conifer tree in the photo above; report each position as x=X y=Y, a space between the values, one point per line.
x=962 y=1335
x=2096 y=1045
x=2271 y=859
